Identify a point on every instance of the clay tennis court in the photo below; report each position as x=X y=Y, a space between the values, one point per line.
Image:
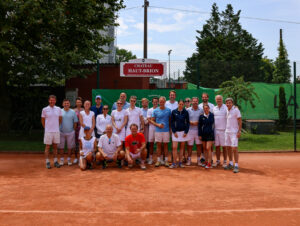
x=265 y=192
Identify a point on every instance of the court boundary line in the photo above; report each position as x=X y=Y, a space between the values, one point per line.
x=188 y=212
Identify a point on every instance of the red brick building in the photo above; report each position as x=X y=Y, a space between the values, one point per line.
x=109 y=79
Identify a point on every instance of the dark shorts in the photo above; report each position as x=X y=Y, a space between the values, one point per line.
x=208 y=137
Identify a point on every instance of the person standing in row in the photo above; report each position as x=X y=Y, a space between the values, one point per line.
x=67 y=131
x=145 y=105
x=119 y=118
x=51 y=119
x=232 y=134
x=135 y=116
x=102 y=121
x=151 y=129
x=97 y=109
x=125 y=104
x=193 y=138
x=180 y=124
x=87 y=119
x=205 y=99
x=172 y=104
x=187 y=105
x=77 y=110
x=161 y=118
x=206 y=134
x=220 y=113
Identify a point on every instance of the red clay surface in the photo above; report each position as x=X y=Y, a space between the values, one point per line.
x=265 y=192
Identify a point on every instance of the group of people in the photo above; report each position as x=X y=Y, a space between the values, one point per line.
x=127 y=136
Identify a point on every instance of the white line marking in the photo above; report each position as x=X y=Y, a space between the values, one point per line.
x=150 y=212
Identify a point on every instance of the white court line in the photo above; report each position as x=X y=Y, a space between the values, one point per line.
x=150 y=212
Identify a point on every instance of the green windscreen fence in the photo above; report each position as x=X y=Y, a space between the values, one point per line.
x=266 y=105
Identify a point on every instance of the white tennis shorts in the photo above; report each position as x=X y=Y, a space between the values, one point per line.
x=151 y=135
x=69 y=138
x=231 y=140
x=220 y=138
x=162 y=137
x=193 y=137
x=135 y=156
x=52 y=138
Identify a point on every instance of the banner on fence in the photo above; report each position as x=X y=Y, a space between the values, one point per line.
x=266 y=105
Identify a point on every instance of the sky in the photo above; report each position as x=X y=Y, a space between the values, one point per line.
x=176 y=30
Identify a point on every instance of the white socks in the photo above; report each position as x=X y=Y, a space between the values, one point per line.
x=166 y=159
x=158 y=159
x=236 y=164
x=55 y=159
x=47 y=160
x=231 y=163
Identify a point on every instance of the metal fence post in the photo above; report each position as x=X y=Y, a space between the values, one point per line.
x=295 y=109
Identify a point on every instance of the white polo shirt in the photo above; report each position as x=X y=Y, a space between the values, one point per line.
x=220 y=114
x=171 y=106
x=194 y=116
x=134 y=116
x=211 y=107
x=102 y=122
x=149 y=115
x=232 y=116
x=109 y=145
x=51 y=115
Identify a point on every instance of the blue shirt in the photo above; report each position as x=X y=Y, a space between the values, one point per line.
x=68 y=119
x=97 y=111
x=162 y=117
x=125 y=106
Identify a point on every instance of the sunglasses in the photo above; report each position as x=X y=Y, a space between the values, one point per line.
x=186 y=101
x=119 y=103
x=105 y=108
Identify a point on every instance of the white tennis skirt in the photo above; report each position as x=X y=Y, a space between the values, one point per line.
x=179 y=137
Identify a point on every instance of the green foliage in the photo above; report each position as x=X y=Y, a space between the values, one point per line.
x=239 y=90
x=41 y=41
x=267 y=68
x=282 y=109
x=224 y=49
x=282 y=72
x=123 y=55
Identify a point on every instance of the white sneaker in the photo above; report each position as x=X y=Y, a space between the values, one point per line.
x=75 y=161
x=162 y=162
x=216 y=164
x=150 y=161
x=199 y=163
x=69 y=163
x=143 y=167
x=188 y=163
x=61 y=163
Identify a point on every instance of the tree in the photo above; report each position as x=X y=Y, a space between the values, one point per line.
x=282 y=72
x=123 y=55
x=224 y=49
x=41 y=41
x=239 y=90
x=282 y=109
x=267 y=68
